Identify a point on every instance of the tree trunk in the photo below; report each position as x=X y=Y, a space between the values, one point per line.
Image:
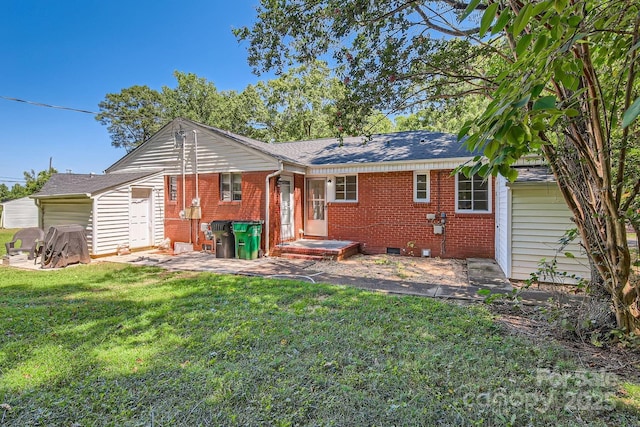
x=601 y=227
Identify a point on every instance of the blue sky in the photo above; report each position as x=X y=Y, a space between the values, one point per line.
x=73 y=52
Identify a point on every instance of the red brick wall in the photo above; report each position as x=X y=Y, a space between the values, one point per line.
x=386 y=216
x=250 y=208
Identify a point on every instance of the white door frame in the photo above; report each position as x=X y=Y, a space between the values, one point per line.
x=287 y=219
x=146 y=240
x=315 y=211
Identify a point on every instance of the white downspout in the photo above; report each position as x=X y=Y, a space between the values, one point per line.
x=267 y=207
x=184 y=179
x=195 y=143
x=195 y=165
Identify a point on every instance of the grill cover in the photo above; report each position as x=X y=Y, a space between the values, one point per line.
x=64 y=245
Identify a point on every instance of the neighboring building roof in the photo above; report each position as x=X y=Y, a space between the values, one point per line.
x=534 y=175
x=73 y=184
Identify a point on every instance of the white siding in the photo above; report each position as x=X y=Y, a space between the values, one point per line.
x=112 y=215
x=215 y=154
x=64 y=212
x=540 y=218
x=503 y=225
x=19 y=213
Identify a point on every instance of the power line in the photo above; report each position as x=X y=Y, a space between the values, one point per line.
x=40 y=104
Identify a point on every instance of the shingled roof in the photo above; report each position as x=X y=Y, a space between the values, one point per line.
x=398 y=146
x=73 y=184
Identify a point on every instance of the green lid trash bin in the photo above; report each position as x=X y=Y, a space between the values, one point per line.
x=247 y=235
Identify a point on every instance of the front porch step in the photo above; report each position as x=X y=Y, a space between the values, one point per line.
x=302 y=256
x=316 y=250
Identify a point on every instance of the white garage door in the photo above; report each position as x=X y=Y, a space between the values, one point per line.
x=64 y=213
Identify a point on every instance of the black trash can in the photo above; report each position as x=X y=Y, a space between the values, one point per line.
x=225 y=241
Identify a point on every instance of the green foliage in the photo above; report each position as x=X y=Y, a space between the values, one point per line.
x=447 y=117
x=33 y=183
x=561 y=78
x=131 y=116
x=122 y=345
x=299 y=104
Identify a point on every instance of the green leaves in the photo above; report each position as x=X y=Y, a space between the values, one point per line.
x=502 y=21
x=469 y=9
x=522 y=19
x=632 y=112
x=545 y=103
x=523 y=44
x=487 y=18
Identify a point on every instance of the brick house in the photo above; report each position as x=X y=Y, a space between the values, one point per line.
x=392 y=194
x=395 y=193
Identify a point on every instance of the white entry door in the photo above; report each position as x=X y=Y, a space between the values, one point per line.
x=286 y=210
x=139 y=224
x=316 y=206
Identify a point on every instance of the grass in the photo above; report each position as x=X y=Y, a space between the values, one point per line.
x=5 y=236
x=109 y=344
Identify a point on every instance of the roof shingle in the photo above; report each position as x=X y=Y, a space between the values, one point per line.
x=73 y=184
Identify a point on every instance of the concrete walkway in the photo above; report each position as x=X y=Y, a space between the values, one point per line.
x=483 y=274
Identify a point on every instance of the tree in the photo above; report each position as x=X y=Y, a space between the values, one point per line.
x=34 y=182
x=299 y=104
x=560 y=74
x=198 y=99
x=132 y=115
x=4 y=192
x=448 y=116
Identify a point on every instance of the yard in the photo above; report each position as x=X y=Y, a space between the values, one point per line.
x=108 y=344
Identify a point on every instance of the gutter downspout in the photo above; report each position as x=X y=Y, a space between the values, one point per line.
x=184 y=179
x=267 y=206
x=195 y=144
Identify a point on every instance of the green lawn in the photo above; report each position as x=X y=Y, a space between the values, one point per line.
x=109 y=344
x=5 y=236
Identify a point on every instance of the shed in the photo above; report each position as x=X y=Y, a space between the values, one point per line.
x=19 y=213
x=531 y=219
x=115 y=209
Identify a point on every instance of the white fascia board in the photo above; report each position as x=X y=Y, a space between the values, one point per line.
x=433 y=164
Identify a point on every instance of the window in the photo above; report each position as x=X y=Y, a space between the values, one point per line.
x=472 y=194
x=421 y=187
x=230 y=187
x=173 y=188
x=347 y=188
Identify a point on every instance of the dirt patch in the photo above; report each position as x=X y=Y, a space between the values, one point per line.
x=531 y=323
x=452 y=272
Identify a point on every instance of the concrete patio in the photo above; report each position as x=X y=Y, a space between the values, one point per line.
x=483 y=274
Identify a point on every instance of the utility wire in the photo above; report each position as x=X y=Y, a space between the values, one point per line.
x=40 y=104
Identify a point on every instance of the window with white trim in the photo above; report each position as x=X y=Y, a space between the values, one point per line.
x=230 y=187
x=346 y=188
x=473 y=194
x=173 y=188
x=421 y=187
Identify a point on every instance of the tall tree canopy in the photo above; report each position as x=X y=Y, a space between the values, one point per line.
x=131 y=116
x=298 y=104
x=33 y=182
x=561 y=76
